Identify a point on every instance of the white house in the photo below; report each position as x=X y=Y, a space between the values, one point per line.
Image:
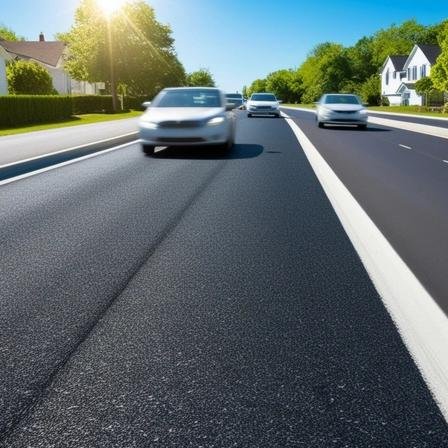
x=50 y=55
x=4 y=56
x=400 y=73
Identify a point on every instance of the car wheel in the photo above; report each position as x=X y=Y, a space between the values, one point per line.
x=249 y=115
x=362 y=126
x=320 y=124
x=148 y=149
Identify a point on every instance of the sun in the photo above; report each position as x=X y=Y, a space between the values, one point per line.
x=110 y=7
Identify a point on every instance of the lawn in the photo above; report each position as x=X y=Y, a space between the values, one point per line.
x=74 y=121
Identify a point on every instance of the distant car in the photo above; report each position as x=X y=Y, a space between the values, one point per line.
x=343 y=109
x=187 y=116
x=263 y=104
x=236 y=98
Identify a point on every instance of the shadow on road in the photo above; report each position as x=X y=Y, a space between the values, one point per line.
x=239 y=151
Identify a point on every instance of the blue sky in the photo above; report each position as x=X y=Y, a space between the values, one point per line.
x=241 y=40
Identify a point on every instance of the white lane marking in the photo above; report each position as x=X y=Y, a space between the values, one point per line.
x=404 y=146
x=422 y=325
x=68 y=162
x=73 y=148
x=393 y=114
x=446 y=161
x=435 y=131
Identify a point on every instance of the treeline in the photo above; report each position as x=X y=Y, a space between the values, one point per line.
x=331 y=67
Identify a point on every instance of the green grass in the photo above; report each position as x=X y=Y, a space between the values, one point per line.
x=74 y=121
x=305 y=106
x=414 y=110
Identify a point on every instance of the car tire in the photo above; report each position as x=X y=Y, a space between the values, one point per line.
x=249 y=115
x=320 y=124
x=362 y=126
x=148 y=149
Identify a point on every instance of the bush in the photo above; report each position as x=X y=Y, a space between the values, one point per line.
x=16 y=110
x=445 y=109
x=29 y=78
x=135 y=102
x=385 y=101
x=92 y=104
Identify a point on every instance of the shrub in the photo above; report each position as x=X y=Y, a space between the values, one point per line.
x=91 y=104
x=445 y=108
x=135 y=102
x=16 y=110
x=385 y=101
x=29 y=78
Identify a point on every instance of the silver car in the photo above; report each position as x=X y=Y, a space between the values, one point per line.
x=335 y=108
x=263 y=104
x=187 y=116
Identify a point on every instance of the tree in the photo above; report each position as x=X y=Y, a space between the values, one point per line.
x=8 y=34
x=439 y=72
x=200 y=78
x=130 y=48
x=259 y=85
x=28 y=78
x=285 y=84
x=424 y=87
x=326 y=69
x=370 y=91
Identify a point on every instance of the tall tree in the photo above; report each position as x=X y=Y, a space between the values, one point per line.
x=259 y=85
x=131 y=47
x=285 y=84
x=200 y=78
x=439 y=73
x=8 y=34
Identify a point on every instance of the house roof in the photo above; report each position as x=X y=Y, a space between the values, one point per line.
x=47 y=52
x=405 y=85
x=398 y=60
x=431 y=52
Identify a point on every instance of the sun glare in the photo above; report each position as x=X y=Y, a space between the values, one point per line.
x=110 y=7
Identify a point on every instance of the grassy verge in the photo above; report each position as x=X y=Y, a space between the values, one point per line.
x=74 y=121
x=305 y=106
x=413 y=110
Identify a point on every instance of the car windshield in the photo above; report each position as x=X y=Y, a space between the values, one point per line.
x=263 y=97
x=341 y=99
x=188 y=98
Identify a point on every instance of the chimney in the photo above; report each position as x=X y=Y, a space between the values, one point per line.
x=41 y=37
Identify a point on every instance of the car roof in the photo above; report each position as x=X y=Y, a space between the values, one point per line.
x=192 y=88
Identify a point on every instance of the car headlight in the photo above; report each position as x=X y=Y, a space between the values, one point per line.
x=362 y=112
x=325 y=109
x=149 y=124
x=215 y=121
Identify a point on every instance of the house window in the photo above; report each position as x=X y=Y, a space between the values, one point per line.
x=414 y=72
x=409 y=73
x=423 y=71
x=387 y=77
x=395 y=75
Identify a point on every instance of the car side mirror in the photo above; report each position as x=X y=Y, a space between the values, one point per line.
x=230 y=106
x=146 y=104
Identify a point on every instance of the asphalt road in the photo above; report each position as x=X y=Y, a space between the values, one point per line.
x=14 y=148
x=400 y=179
x=204 y=300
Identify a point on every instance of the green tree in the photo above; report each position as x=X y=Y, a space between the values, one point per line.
x=439 y=72
x=8 y=34
x=131 y=48
x=285 y=84
x=259 y=85
x=200 y=78
x=28 y=78
x=326 y=69
x=370 y=91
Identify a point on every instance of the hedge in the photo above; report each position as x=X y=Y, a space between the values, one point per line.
x=92 y=104
x=16 y=110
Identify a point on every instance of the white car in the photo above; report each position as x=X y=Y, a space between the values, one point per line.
x=187 y=116
x=263 y=104
x=336 y=108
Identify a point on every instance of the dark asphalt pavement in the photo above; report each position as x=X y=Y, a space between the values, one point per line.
x=402 y=190
x=198 y=300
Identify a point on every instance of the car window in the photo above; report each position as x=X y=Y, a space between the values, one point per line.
x=341 y=99
x=263 y=97
x=188 y=98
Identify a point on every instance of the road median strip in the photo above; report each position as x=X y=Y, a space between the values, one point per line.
x=13 y=171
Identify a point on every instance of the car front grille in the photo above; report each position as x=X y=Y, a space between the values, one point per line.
x=180 y=124
x=263 y=107
x=345 y=111
x=180 y=140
